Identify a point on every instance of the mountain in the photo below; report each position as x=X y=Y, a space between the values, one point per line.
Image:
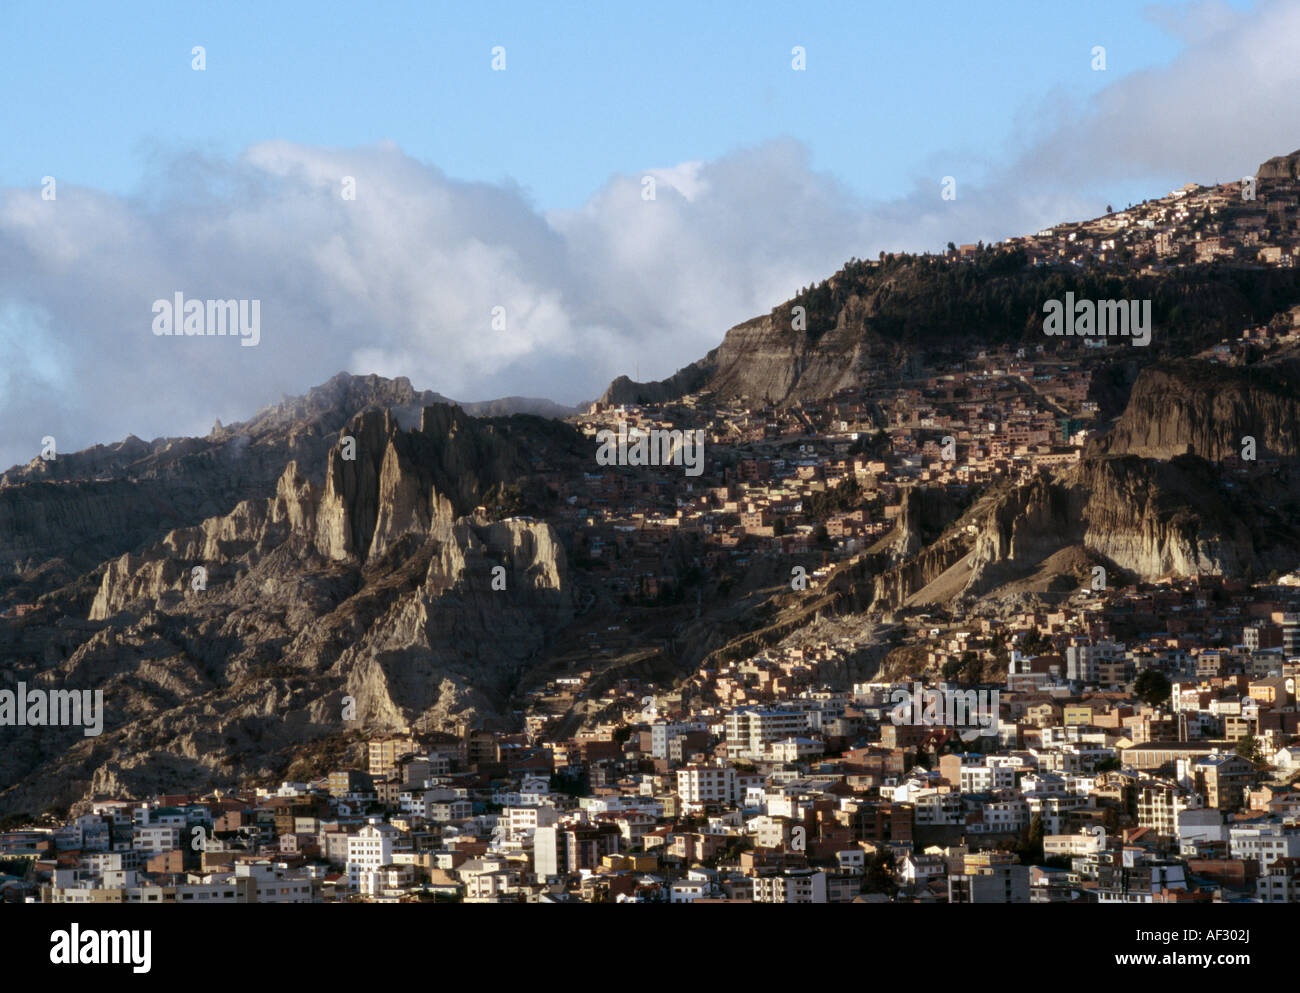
x=1210 y=261
x=1158 y=490
x=368 y=556
x=403 y=585
x=63 y=517
x=872 y=319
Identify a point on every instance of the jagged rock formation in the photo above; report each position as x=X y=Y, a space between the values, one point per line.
x=1280 y=167
x=1139 y=504
x=1207 y=409
x=688 y=379
x=1180 y=517
x=763 y=359
x=1137 y=518
x=394 y=582
x=63 y=517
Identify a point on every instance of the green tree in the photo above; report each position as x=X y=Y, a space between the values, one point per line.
x=966 y=669
x=1033 y=642
x=1153 y=686
x=1249 y=748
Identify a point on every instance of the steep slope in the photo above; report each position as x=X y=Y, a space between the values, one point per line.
x=63 y=517
x=872 y=319
x=1207 y=409
x=1138 y=518
x=382 y=585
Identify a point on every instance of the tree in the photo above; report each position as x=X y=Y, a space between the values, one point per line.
x=879 y=877
x=1001 y=657
x=1029 y=846
x=1152 y=686
x=1249 y=748
x=1036 y=833
x=17 y=820
x=1033 y=642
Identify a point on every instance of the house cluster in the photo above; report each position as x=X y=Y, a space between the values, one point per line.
x=773 y=477
x=1140 y=745
x=1247 y=221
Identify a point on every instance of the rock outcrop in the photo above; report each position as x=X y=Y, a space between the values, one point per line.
x=1280 y=167
x=63 y=517
x=394 y=581
x=1207 y=409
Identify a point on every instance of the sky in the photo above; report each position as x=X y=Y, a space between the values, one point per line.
x=500 y=241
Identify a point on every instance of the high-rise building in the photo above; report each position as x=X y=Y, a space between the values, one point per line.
x=369 y=850
x=752 y=730
x=386 y=752
x=1291 y=635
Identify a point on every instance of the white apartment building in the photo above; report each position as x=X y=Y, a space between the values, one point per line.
x=427 y=802
x=368 y=850
x=933 y=808
x=796 y=750
x=450 y=811
x=274 y=883
x=521 y=822
x=983 y=778
x=688 y=891
x=752 y=730
x=1280 y=883
x=1264 y=842
x=156 y=838
x=791 y=886
x=1082 y=661
x=548 y=852
x=1159 y=808
x=997 y=815
x=698 y=785
x=489 y=880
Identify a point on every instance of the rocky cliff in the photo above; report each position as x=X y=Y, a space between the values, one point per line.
x=1207 y=409
x=874 y=321
x=63 y=517
x=1138 y=518
x=392 y=592
x=1280 y=167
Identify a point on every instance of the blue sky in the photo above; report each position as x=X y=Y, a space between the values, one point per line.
x=522 y=190
x=95 y=93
